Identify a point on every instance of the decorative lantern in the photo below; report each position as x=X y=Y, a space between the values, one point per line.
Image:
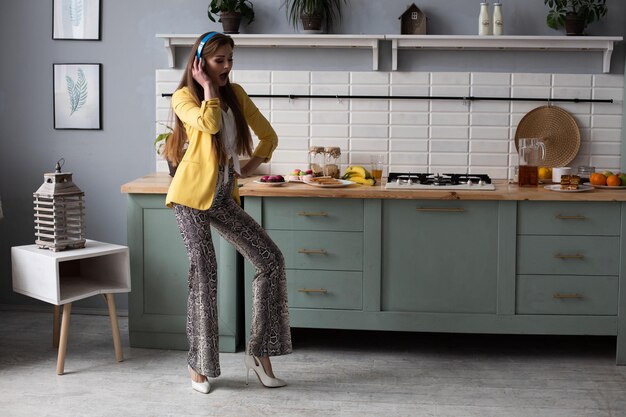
x=59 y=212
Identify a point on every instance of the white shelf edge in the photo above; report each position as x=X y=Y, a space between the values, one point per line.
x=468 y=42
x=171 y=41
x=603 y=44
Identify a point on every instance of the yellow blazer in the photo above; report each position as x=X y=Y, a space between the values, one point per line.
x=195 y=180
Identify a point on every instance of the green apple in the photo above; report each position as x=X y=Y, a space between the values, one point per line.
x=622 y=178
x=607 y=173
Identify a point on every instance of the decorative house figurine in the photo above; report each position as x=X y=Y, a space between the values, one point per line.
x=413 y=21
x=59 y=212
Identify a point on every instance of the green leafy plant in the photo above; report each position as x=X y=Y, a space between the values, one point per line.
x=328 y=10
x=588 y=10
x=244 y=7
x=161 y=138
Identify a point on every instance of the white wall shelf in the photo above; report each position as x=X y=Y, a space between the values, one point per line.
x=282 y=41
x=603 y=44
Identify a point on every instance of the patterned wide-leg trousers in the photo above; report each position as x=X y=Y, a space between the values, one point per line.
x=270 y=333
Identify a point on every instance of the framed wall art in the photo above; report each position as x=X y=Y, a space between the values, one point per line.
x=77 y=96
x=76 y=19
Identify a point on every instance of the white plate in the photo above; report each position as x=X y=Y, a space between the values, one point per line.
x=557 y=187
x=269 y=184
x=610 y=187
x=343 y=183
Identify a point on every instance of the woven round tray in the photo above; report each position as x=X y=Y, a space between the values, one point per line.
x=558 y=131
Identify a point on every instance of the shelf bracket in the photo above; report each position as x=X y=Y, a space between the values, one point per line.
x=606 y=61
x=171 y=52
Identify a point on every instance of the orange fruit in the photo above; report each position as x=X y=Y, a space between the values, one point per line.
x=597 y=179
x=613 y=180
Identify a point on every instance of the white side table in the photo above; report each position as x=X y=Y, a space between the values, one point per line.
x=61 y=278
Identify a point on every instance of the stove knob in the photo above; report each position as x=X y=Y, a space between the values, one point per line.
x=469 y=183
x=481 y=182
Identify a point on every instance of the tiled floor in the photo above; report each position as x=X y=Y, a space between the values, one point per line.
x=330 y=373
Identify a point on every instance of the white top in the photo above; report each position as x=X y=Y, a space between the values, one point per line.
x=229 y=140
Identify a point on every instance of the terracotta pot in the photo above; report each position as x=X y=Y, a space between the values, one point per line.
x=311 y=21
x=230 y=21
x=574 y=24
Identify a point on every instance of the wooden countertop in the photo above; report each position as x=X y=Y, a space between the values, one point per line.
x=158 y=183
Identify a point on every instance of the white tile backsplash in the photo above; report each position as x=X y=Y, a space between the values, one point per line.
x=417 y=134
x=330 y=77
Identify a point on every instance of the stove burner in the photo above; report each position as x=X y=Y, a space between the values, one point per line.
x=438 y=180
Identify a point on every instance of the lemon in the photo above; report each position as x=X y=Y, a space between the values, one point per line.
x=544 y=173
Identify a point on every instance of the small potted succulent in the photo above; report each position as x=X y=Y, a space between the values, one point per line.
x=230 y=13
x=575 y=15
x=313 y=13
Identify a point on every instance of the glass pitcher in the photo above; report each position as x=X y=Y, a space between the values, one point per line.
x=532 y=153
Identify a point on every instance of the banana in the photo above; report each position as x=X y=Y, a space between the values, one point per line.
x=360 y=180
x=358 y=170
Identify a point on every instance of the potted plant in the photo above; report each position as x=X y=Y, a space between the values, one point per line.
x=159 y=146
x=230 y=13
x=313 y=13
x=575 y=15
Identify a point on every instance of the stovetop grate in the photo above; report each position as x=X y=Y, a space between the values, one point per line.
x=437 y=179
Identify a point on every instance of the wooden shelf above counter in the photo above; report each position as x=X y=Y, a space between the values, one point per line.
x=158 y=183
x=281 y=41
x=602 y=44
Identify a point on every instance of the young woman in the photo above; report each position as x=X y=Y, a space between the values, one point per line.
x=213 y=116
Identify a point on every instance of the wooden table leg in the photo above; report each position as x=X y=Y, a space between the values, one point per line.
x=65 y=329
x=56 y=326
x=117 y=343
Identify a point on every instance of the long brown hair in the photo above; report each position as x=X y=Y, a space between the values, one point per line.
x=173 y=151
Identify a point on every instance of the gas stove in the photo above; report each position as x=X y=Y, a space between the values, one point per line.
x=417 y=181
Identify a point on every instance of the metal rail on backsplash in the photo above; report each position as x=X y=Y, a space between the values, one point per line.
x=463 y=98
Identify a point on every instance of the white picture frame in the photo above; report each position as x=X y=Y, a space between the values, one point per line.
x=76 y=19
x=77 y=96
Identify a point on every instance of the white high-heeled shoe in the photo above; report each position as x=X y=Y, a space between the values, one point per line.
x=203 y=387
x=253 y=363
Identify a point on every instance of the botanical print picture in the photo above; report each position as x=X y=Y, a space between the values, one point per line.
x=77 y=100
x=76 y=19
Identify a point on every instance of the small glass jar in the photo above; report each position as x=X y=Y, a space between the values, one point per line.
x=316 y=160
x=584 y=172
x=332 y=160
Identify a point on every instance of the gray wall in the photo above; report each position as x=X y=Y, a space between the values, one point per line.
x=122 y=151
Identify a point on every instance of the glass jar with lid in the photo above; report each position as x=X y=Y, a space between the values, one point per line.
x=316 y=160
x=332 y=160
x=584 y=172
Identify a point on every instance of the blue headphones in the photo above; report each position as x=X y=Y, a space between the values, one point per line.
x=203 y=42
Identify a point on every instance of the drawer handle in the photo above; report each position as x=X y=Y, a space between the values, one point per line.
x=313 y=214
x=313 y=290
x=562 y=217
x=312 y=251
x=441 y=209
x=575 y=256
x=567 y=296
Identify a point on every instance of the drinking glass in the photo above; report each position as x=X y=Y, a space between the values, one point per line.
x=377 y=163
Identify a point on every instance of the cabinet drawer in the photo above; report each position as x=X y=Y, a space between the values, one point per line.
x=320 y=250
x=566 y=294
x=324 y=289
x=569 y=218
x=580 y=255
x=313 y=214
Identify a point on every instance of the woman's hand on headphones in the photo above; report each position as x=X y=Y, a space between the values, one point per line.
x=198 y=73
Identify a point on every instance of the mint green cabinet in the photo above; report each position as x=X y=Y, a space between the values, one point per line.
x=439 y=256
x=528 y=267
x=159 y=271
